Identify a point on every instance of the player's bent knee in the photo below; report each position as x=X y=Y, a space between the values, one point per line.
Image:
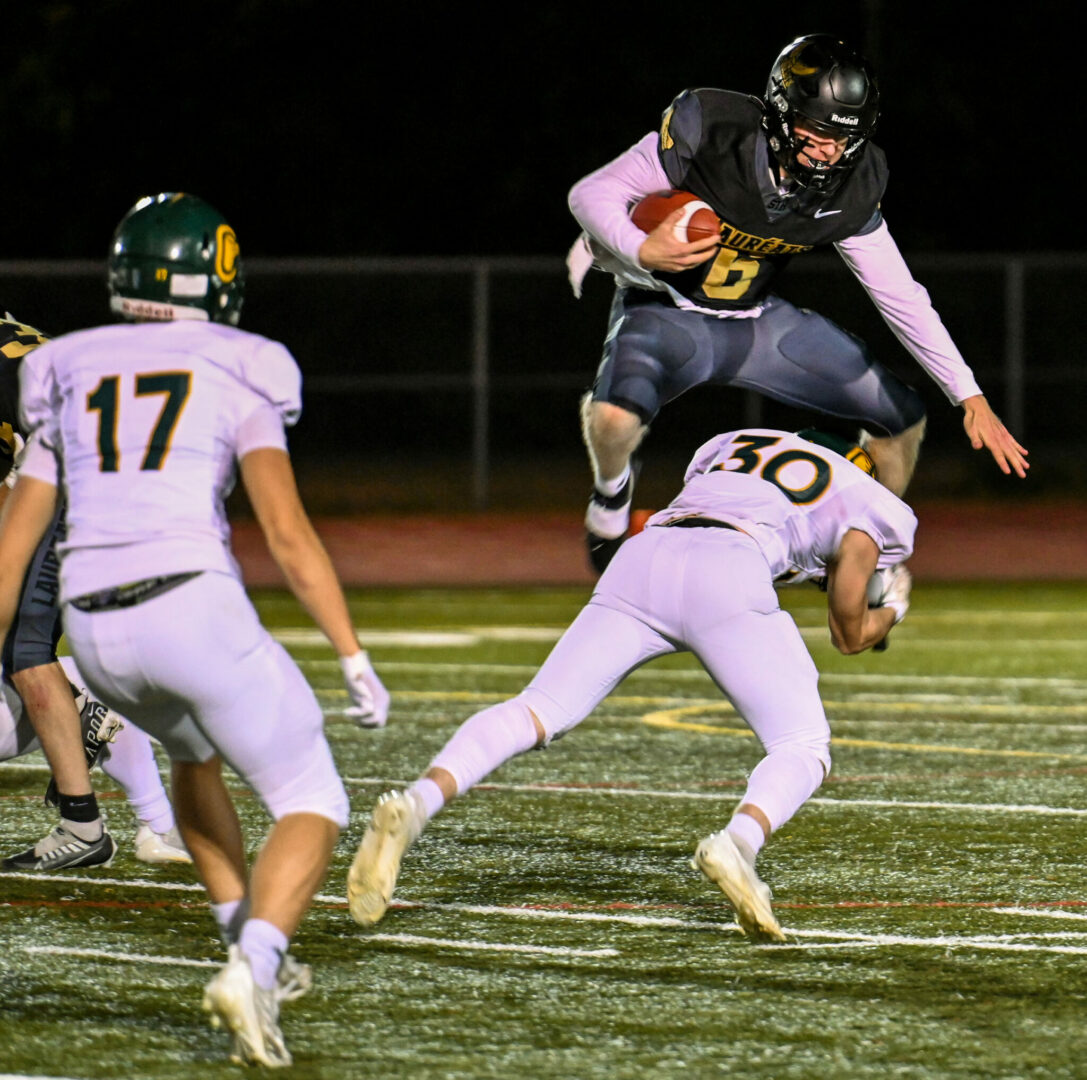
x=486 y=740
x=813 y=758
x=785 y=779
x=615 y=420
x=550 y=717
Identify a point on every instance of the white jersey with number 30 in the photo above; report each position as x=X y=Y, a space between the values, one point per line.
x=144 y=424
x=797 y=499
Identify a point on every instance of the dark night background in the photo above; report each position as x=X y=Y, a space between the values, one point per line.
x=406 y=130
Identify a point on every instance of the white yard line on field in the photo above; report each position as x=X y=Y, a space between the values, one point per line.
x=867 y=941
x=730 y=796
x=483 y=946
x=1044 y=942
x=414 y=940
x=122 y=957
x=837 y=939
x=28 y=1076
x=1041 y=913
x=624 y=918
x=91 y=878
x=651 y=673
x=656 y=922
x=302 y=637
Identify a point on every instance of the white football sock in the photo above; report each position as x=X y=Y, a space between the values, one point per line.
x=614 y=485
x=428 y=794
x=747 y=834
x=264 y=946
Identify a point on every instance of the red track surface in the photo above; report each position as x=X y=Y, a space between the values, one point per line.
x=955 y=542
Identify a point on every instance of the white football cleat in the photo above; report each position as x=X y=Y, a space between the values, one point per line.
x=293 y=979
x=721 y=861
x=395 y=824
x=167 y=847
x=248 y=1012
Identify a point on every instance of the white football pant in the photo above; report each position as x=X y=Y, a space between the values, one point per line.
x=706 y=590
x=195 y=668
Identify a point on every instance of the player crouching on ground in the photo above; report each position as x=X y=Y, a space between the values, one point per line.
x=146 y=424
x=757 y=507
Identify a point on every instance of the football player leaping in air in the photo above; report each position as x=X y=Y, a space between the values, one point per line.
x=785 y=174
x=757 y=507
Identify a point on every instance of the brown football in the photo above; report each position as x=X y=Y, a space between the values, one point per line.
x=698 y=220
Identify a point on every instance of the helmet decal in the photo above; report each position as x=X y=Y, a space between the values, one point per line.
x=792 y=68
x=226 y=253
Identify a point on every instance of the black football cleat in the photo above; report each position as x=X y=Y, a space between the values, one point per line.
x=63 y=850
x=602 y=550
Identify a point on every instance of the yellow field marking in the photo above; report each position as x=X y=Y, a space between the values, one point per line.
x=694 y=705
x=481 y=695
x=669 y=718
x=950 y=702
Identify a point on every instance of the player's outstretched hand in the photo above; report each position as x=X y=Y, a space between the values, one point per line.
x=661 y=250
x=985 y=429
x=369 y=706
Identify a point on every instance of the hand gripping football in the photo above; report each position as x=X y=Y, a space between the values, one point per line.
x=891 y=588
x=698 y=220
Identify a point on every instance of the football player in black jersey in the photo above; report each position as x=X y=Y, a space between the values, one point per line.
x=30 y=661
x=784 y=175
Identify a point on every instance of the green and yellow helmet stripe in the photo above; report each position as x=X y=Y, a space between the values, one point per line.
x=849 y=450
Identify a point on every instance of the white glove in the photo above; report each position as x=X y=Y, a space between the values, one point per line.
x=369 y=699
x=579 y=261
x=891 y=588
x=17 y=448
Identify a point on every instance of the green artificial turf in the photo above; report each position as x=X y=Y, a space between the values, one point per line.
x=550 y=925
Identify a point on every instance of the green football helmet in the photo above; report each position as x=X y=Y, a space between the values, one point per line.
x=849 y=450
x=175 y=257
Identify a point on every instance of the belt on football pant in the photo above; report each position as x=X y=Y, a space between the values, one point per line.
x=700 y=523
x=135 y=592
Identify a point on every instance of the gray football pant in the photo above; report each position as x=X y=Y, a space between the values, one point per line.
x=655 y=351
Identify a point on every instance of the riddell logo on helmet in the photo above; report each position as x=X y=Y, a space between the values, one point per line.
x=854 y=120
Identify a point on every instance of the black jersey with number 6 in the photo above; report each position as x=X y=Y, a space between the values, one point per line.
x=712 y=144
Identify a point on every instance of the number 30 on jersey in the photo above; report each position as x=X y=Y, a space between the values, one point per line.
x=749 y=455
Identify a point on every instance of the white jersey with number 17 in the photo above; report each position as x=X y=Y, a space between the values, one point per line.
x=144 y=424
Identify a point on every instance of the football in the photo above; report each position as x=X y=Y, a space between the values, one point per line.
x=877 y=586
x=697 y=223
x=638 y=518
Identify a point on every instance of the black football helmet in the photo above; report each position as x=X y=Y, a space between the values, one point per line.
x=849 y=450
x=175 y=257
x=833 y=89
